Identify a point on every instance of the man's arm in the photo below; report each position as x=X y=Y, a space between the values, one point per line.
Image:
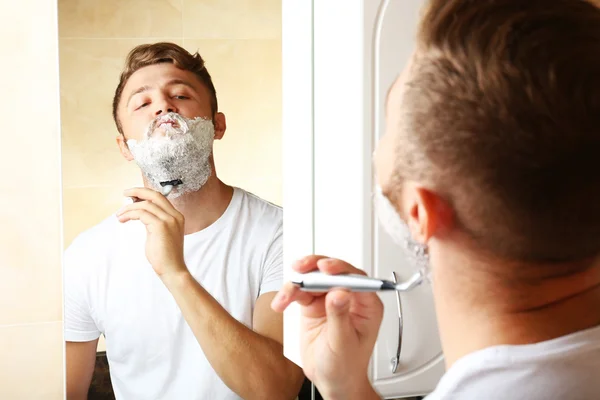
x=81 y=359
x=81 y=331
x=251 y=363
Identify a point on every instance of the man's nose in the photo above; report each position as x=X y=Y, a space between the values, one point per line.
x=164 y=107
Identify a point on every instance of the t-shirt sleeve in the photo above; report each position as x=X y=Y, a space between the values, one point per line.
x=79 y=322
x=272 y=277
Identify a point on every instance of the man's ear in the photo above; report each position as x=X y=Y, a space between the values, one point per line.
x=123 y=148
x=427 y=213
x=220 y=125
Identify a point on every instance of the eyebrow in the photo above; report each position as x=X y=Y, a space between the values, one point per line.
x=172 y=82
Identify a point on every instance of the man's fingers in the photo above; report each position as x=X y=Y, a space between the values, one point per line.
x=153 y=196
x=149 y=207
x=290 y=293
x=327 y=265
x=141 y=215
x=341 y=334
x=334 y=266
x=307 y=263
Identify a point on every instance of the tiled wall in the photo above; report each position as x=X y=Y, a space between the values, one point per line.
x=241 y=43
x=31 y=366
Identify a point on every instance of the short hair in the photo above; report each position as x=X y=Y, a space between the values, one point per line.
x=163 y=52
x=501 y=116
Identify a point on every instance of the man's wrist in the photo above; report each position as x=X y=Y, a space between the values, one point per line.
x=179 y=278
x=362 y=391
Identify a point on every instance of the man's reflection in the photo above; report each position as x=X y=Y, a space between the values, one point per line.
x=179 y=285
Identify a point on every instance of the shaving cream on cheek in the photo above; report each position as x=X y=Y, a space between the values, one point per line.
x=182 y=153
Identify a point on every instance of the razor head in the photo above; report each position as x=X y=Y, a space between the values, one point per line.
x=168 y=186
x=174 y=182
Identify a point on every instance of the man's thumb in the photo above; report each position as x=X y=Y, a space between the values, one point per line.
x=341 y=334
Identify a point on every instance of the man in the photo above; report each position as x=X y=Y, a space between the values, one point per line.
x=490 y=162
x=180 y=285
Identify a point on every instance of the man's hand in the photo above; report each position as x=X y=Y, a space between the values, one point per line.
x=338 y=331
x=165 y=227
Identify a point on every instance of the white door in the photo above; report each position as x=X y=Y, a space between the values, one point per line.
x=339 y=59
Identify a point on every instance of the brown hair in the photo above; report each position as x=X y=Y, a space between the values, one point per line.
x=501 y=115
x=150 y=54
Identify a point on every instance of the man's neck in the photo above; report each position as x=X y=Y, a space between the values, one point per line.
x=202 y=208
x=478 y=308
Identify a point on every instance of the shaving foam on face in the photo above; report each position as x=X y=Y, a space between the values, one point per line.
x=171 y=124
x=416 y=253
x=182 y=153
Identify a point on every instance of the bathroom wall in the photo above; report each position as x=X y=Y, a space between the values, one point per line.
x=240 y=41
x=31 y=366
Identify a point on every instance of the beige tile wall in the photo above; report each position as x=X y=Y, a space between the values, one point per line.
x=241 y=43
x=32 y=363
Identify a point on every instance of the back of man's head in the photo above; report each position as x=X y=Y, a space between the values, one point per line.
x=501 y=115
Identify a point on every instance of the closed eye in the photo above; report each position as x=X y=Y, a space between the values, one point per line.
x=181 y=97
x=143 y=105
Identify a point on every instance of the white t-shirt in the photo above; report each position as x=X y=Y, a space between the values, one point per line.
x=111 y=288
x=566 y=368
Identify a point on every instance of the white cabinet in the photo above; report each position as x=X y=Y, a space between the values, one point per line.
x=339 y=59
x=392 y=34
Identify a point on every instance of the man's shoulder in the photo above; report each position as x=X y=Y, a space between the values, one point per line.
x=558 y=368
x=89 y=252
x=266 y=210
x=96 y=237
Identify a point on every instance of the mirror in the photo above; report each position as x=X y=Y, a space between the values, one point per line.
x=173 y=321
